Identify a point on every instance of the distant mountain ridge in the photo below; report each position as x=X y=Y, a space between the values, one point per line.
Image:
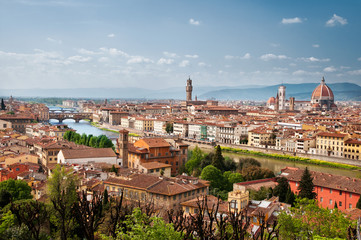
x=342 y=91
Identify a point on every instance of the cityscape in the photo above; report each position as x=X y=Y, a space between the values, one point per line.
x=180 y=120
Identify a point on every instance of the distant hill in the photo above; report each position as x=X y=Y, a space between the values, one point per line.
x=342 y=91
x=303 y=91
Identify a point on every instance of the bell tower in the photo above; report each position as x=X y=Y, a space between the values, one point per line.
x=189 y=89
x=123 y=146
x=282 y=98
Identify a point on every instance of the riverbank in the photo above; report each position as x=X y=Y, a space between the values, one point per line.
x=334 y=163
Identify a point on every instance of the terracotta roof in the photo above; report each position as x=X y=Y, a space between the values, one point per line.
x=322 y=91
x=211 y=202
x=151 y=143
x=328 y=134
x=342 y=183
x=153 y=165
x=88 y=153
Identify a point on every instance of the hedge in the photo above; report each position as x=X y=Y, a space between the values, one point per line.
x=292 y=158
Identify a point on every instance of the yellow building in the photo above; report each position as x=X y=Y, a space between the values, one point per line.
x=22 y=158
x=258 y=138
x=352 y=149
x=144 y=124
x=330 y=144
x=238 y=198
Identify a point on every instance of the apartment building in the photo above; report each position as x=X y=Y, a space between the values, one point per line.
x=330 y=144
x=352 y=149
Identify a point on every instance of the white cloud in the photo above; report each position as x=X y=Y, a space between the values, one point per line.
x=246 y=56
x=335 y=20
x=162 y=61
x=111 y=35
x=359 y=59
x=315 y=45
x=302 y=72
x=169 y=54
x=87 y=52
x=313 y=59
x=355 y=72
x=52 y=40
x=291 y=20
x=194 y=22
x=270 y=56
x=280 y=69
x=202 y=64
x=184 y=63
x=138 y=59
x=78 y=58
x=103 y=59
x=229 y=57
x=114 y=52
x=191 y=56
x=329 y=69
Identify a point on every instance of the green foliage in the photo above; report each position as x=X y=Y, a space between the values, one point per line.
x=290 y=197
x=292 y=158
x=233 y=177
x=215 y=176
x=254 y=173
x=306 y=186
x=169 y=128
x=307 y=220
x=194 y=161
x=281 y=189
x=62 y=194
x=97 y=142
x=261 y=194
x=218 y=159
x=7 y=220
x=18 y=189
x=358 y=204
x=3 y=107
x=247 y=162
x=229 y=164
x=139 y=226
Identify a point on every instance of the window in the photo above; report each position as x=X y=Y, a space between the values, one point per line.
x=321 y=189
x=255 y=219
x=108 y=188
x=296 y=184
x=321 y=199
x=330 y=201
x=187 y=209
x=158 y=154
x=340 y=193
x=330 y=190
x=350 y=195
x=340 y=204
x=350 y=205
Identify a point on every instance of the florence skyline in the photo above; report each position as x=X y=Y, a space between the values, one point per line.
x=75 y=44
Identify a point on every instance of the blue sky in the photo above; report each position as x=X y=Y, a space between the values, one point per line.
x=158 y=44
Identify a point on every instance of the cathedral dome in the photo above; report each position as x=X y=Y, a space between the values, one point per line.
x=271 y=101
x=322 y=92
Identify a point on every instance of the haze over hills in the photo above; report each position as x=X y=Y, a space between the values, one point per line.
x=303 y=91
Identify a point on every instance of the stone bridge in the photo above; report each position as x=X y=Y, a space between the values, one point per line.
x=60 y=116
x=63 y=110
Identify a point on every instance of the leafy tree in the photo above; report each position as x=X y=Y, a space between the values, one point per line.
x=139 y=226
x=215 y=176
x=306 y=186
x=281 y=189
x=18 y=189
x=307 y=220
x=218 y=159
x=195 y=160
x=261 y=194
x=229 y=164
x=254 y=173
x=33 y=214
x=83 y=139
x=247 y=162
x=358 y=204
x=169 y=128
x=62 y=194
x=207 y=160
x=232 y=178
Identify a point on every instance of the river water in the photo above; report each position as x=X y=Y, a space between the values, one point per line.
x=273 y=164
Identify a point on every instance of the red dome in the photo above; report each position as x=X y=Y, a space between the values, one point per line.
x=322 y=92
x=271 y=100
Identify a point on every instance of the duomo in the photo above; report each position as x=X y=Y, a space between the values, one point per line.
x=322 y=99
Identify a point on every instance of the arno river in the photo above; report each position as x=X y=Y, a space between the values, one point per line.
x=273 y=164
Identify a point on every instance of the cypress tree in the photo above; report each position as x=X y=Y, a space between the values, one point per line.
x=281 y=189
x=290 y=197
x=218 y=159
x=335 y=205
x=3 y=107
x=105 y=197
x=358 y=204
x=306 y=186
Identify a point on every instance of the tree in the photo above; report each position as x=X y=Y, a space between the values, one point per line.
x=195 y=160
x=33 y=214
x=281 y=189
x=307 y=220
x=247 y=162
x=290 y=196
x=3 y=107
x=62 y=194
x=105 y=197
x=254 y=173
x=5 y=198
x=218 y=159
x=335 y=206
x=215 y=176
x=229 y=164
x=261 y=194
x=89 y=214
x=169 y=128
x=18 y=189
x=306 y=186
x=358 y=204
x=139 y=226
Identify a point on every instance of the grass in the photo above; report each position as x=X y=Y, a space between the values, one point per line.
x=293 y=158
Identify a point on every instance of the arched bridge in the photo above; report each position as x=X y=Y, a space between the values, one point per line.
x=76 y=116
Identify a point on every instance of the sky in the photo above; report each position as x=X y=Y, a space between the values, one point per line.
x=159 y=44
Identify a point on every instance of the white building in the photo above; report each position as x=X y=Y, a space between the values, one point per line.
x=87 y=156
